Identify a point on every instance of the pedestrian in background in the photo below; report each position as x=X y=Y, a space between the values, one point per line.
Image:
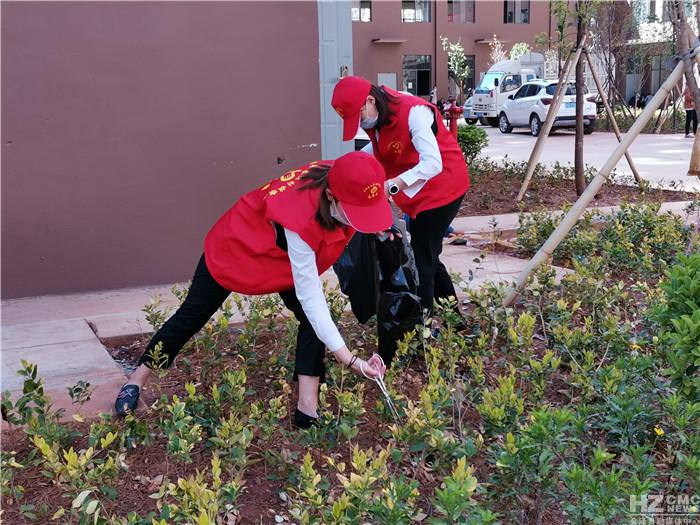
x=690 y=112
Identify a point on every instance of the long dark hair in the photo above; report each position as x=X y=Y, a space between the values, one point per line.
x=382 y=99
x=317 y=177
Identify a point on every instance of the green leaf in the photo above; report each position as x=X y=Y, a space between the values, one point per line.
x=78 y=501
x=92 y=506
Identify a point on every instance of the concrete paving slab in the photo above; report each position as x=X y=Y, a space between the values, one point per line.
x=119 y=325
x=494 y=267
x=61 y=364
x=31 y=334
x=71 y=306
x=487 y=223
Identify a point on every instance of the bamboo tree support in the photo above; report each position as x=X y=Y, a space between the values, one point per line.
x=672 y=108
x=570 y=219
x=661 y=119
x=611 y=116
x=551 y=115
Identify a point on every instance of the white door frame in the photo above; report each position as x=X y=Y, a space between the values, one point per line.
x=335 y=59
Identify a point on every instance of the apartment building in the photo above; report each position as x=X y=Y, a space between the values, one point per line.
x=397 y=43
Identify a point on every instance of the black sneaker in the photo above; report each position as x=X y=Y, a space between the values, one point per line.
x=127 y=400
x=302 y=420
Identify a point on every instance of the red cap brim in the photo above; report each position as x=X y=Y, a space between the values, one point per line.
x=369 y=219
x=350 y=126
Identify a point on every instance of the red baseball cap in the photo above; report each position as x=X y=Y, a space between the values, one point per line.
x=349 y=95
x=357 y=181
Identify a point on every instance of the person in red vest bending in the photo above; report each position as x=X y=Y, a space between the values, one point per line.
x=426 y=173
x=278 y=239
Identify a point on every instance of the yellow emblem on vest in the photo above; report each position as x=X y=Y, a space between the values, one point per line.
x=395 y=146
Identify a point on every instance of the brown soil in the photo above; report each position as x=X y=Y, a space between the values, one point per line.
x=495 y=193
x=260 y=500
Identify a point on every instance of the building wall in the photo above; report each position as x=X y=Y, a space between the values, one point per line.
x=129 y=127
x=424 y=38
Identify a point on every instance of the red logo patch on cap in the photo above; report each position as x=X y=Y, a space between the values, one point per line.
x=339 y=111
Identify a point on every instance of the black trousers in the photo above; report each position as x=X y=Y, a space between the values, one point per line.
x=204 y=297
x=427 y=232
x=691 y=115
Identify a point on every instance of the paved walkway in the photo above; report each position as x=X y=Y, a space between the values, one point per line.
x=63 y=334
x=510 y=221
x=660 y=159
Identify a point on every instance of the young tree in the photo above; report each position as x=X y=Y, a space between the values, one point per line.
x=456 y=64
x=518 y=50
x=497 y=52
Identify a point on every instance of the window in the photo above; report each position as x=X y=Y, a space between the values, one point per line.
x=471 y=62
x=522 y=92
x=510 y=83
x=460 y=11
x=651 y=17
x=361 y=10
x=415 y=11
x=516 y=11
x=532 y=90
x=488 y=83
x=417 y=72
x=635 y=64
x=570 y=89
x=667 y=7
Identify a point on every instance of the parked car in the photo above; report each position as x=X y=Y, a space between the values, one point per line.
x=469 y=114
x=528 y=107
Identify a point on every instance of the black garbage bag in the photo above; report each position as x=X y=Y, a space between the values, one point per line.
x=380 y=277
x=356 y=270
x=397 y=314
x=399 y=307
x=397 y=268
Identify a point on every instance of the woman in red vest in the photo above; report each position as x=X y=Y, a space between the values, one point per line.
x=425 y=169
x=278 y=239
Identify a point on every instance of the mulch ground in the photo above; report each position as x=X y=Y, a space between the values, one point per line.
x=495 y=193
x=260 y=500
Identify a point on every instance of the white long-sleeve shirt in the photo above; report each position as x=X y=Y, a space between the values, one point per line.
x=420 y=122
x=309 y=291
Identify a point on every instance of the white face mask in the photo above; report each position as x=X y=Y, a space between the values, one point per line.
x=338 y=213
x=369 y=123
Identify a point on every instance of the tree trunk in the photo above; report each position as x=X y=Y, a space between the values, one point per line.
x=578 y=148
x=683 y=37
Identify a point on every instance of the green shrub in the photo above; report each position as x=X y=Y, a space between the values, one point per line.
x=636 y=238
x=472 y=140
x=679 y=321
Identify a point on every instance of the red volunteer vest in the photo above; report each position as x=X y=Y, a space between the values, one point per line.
x=397 y=154
x=241 y=251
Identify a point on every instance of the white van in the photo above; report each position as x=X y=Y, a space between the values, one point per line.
x=502 y=80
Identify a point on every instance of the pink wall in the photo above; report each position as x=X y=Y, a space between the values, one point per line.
x=423 y=38
x=129 y=127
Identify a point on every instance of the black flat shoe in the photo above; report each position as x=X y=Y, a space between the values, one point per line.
x=302 y=420
x=127 y=400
